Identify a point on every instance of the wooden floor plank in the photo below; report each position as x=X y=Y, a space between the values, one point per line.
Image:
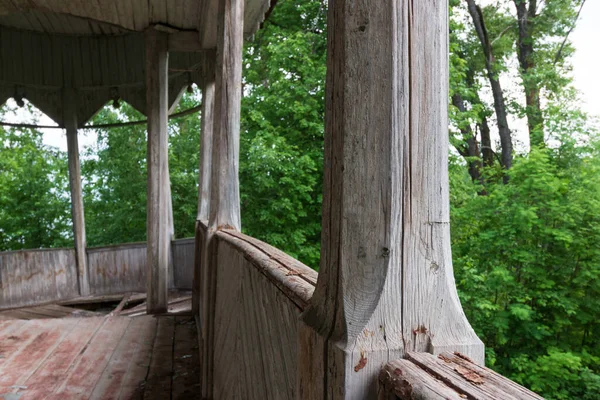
x=186 y=362
x=138 y=338
x=55 y=369
x=158 y=386
x=9 y=326
x=138 y=368
x=84 y=375
x=12 y=341
x=33 y=355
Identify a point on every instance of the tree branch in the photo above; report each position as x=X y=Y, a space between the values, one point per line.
x=559 y=53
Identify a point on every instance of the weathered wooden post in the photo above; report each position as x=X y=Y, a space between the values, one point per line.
x=206 y=138
x=385 y=283
x=224 y=207
x=207 y=113
x=70 y=123
x=158 y=224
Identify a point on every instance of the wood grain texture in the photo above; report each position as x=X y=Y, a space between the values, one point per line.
x=469 y=379
x=224 y=181
x=206 y=143
x=111 y=17
x=117 y=269
x=183 y=263
x=96 y=67
x=34 y=277
x=258 y=301
x=404 y=380
x=158 y=231
x=386 y=283
x=75 y=187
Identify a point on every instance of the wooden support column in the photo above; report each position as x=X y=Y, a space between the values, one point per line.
x=224 y=209
x=70 y=122
x=386 y=282
x=158 y=224
x=206 y=137
x=206 y=126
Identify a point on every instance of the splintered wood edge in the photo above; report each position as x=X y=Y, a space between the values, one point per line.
x=448 y=376
x=294 y=279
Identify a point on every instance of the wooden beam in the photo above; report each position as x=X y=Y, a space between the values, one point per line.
x=224 y=212
x=185 y=42
x=158 y=231
x=447 y=376
x=70 y=121
x=385 y=283
x=206 y=145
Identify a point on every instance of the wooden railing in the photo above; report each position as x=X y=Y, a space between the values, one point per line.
x=30 y=277
x=250 y=326
x=448 y=376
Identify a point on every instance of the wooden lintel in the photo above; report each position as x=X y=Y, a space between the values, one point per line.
x=185 y=42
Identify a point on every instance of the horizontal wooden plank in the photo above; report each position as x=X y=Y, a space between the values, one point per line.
x=436 y=373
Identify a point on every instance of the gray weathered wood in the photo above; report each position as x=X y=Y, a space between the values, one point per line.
x=206 y=143
x=224 y=182
x=469 y=379
x=385 y=283
x=183 y=263
x=224 y=212
x=70 y=119
x=185 y=41
x=403 y=380
x=118 y=269
x=34 y=277
x=158 y=231
x=258 y=300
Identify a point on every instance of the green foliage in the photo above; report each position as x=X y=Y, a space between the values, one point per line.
x=281 y=156
x=527 y=264
x=34 y=202
x=114 y=172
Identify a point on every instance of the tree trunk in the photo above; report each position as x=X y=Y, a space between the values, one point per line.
x=535 y=119
x=470 y=149
x=498 y=94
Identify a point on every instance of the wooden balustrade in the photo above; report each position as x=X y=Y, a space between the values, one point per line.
x=31 y=277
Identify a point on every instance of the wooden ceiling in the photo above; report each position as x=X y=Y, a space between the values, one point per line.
x=113 y=17
x=95 y=48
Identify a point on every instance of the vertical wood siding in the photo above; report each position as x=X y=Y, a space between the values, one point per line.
x=183 y=263
x=117 y=269
x=37 y=276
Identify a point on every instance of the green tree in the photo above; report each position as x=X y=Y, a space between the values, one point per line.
x=34 y=202
x=281 y=156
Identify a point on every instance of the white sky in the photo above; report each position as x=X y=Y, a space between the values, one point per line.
x=586 y=73
x=586 y=62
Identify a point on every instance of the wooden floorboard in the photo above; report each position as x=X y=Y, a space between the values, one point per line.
x=108 y=357
x=158 y=385
x=30 y=357
x=134 y=381
x=51 y=374
x=83 y=377
x=186 y=361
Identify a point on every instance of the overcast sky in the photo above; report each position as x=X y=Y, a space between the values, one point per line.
x=586 y=71
x=586 y=62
